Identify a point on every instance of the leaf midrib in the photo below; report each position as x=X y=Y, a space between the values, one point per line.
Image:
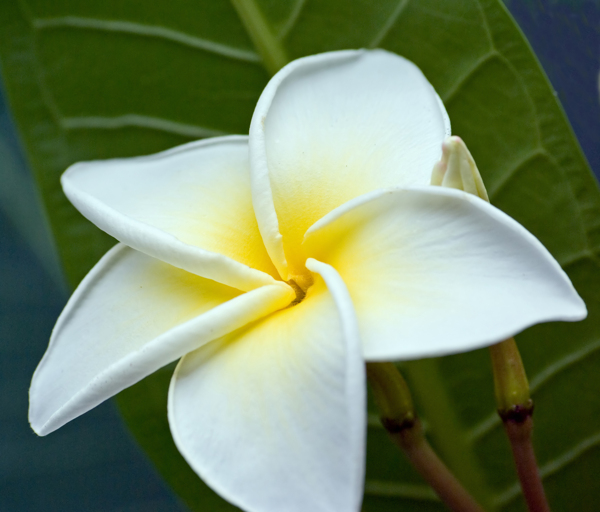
x=268 y=46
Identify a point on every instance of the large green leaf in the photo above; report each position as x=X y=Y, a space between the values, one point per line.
x=118 y=78
x=21 y=203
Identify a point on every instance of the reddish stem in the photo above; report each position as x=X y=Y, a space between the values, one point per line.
x=519 y=434
x=433 y=470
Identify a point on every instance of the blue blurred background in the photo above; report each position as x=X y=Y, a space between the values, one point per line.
x=93 y=464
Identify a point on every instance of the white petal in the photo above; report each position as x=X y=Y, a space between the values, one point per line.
x=331 y=127
x=131 y=315
x=273 y=415
x=435 y=271
x=190 y=206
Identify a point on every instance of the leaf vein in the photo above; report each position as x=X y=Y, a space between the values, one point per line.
x=510 y=173
x=462 y=80
x=387 y=26
x=550 y=468
x=154 y=31
x=509 y=64
x=536 y=383
x=576 y=258
x=292 y=19
x=137 y=120
x=562 y=364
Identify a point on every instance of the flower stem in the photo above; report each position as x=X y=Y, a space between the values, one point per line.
x=519 y=435
x=515 y=407
x=428 y=464
x=394 y=400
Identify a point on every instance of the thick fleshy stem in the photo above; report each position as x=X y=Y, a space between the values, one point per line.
x=395 y=404
x=515 y=407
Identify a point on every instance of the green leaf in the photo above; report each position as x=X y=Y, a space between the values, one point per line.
x=22 y=205
x=104 y=79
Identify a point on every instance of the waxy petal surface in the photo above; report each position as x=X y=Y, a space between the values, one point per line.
x=131 y=315
x=272 y=416
x=190 y=206
x=435 y=271
x=331 y=127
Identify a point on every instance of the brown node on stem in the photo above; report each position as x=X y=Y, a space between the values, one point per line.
x=396 y=425
x=518 y=413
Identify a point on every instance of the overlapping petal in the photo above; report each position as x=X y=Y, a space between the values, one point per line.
x=331 y=127
x=190 y=206
x=434 y=271
x=272 y=416
x=131 y=315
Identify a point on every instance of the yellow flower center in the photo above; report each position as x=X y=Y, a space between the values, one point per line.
x=300 y=291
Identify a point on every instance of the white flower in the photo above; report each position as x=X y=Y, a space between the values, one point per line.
x=329 y=193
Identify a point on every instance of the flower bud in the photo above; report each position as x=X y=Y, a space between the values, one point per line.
x=457 y=169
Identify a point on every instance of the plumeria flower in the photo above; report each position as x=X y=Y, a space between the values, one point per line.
x=274 y=265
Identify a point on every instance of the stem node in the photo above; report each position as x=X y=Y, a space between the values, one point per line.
x=517 y=413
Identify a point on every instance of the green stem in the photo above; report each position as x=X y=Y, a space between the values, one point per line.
x=391 y=395
x=270 y=49
x=395 y=403
x=515 y=407
x=511 y=386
